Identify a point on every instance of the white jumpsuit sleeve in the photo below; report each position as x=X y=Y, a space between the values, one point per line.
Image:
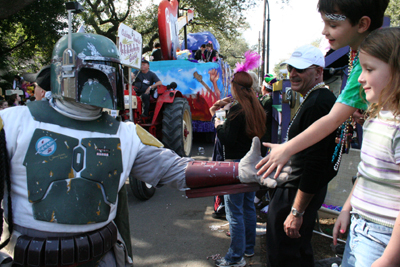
x=160 y=166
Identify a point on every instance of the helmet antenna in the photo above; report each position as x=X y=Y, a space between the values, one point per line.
x=72 y=7
x=69 y=55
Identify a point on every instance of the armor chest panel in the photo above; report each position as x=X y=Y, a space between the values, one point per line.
x=69 y=181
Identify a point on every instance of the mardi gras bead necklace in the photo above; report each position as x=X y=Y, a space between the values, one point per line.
x=317 y=86
x=344 y=132
x=344 y=136
x=353 y=58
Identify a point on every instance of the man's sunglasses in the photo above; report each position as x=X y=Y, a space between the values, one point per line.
x=290 y=68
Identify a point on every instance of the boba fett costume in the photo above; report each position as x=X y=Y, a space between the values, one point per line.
x=69 y=161
x=64 y=163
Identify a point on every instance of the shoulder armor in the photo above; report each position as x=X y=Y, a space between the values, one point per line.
x=147 y=138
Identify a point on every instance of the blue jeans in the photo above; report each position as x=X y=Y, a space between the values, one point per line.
x=365 y=243
x=242 y=218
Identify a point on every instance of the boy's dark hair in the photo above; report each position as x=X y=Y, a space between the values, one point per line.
x=354 y=10
x=157 y=45
x=203 y=46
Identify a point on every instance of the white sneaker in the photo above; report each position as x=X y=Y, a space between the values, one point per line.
x=222 y=262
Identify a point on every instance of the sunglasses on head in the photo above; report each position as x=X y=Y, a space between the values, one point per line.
x=290 y=68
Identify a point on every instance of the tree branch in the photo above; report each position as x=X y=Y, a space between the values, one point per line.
x=17 y=46
x=149 y=46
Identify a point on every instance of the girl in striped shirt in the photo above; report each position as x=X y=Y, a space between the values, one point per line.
x=374 y=203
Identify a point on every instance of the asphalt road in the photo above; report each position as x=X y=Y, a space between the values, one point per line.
x=171 y=230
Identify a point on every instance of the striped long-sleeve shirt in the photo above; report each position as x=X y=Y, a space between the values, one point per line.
x=376 y=196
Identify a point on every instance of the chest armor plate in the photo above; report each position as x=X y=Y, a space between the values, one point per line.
x=71 y=181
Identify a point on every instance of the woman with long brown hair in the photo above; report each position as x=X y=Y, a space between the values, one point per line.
x=244 y=120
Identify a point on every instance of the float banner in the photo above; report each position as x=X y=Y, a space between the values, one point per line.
x=130 y=46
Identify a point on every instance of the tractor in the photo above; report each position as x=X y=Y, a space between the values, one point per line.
x=182 y=106
x=170 y=121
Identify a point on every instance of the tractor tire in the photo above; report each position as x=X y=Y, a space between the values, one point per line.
x=141 y=190
x=177 y=133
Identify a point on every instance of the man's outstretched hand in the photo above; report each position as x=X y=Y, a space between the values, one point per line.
x=274 y=163
x=248 y=171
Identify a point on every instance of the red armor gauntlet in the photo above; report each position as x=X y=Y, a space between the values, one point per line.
x=212 y=178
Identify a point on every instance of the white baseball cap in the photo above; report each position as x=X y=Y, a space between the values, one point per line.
x=305 y=56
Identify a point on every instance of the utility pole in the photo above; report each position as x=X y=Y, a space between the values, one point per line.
x=258 y=69
x=266 y=5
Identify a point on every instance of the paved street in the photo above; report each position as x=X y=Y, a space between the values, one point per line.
x=171 y=230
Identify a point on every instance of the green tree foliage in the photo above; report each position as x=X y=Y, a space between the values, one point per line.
x=224 y=19
x=233 y=49
x=106 y=15
x=9 y=8
x=393 y=11
x=224 y=16
x=144 y=20
x=27 y=38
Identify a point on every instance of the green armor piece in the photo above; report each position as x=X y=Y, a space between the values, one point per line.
x=87 y=45
x=43 y=112
x=48 y=159
x=56 y=193
x=67 y=203
x=104 y=164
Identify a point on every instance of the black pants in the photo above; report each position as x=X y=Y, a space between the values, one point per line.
x=145 y=102
x=283 y=251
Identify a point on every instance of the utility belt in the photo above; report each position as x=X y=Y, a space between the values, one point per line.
x=65 y=251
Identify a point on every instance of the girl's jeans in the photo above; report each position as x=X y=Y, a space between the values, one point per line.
x=365 y=243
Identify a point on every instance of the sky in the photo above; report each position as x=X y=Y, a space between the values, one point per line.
x=291 y=26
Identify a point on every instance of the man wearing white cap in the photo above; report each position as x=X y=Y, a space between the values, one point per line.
x=294 y=204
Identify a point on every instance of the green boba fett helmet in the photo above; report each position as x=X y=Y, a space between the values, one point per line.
x=87 y=70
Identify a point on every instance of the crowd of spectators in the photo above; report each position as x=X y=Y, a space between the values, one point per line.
x=30 y=87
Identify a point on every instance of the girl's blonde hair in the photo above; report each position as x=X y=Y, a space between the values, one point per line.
x=384 y=44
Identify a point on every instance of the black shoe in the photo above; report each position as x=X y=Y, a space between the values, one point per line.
x=220 y=216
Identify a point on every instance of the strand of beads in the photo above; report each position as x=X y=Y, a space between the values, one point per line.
x=337 y=147
x=317 y=86
x=353 y=57
x=342 y=141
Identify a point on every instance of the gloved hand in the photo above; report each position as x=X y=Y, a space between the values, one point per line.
x=248 y=171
